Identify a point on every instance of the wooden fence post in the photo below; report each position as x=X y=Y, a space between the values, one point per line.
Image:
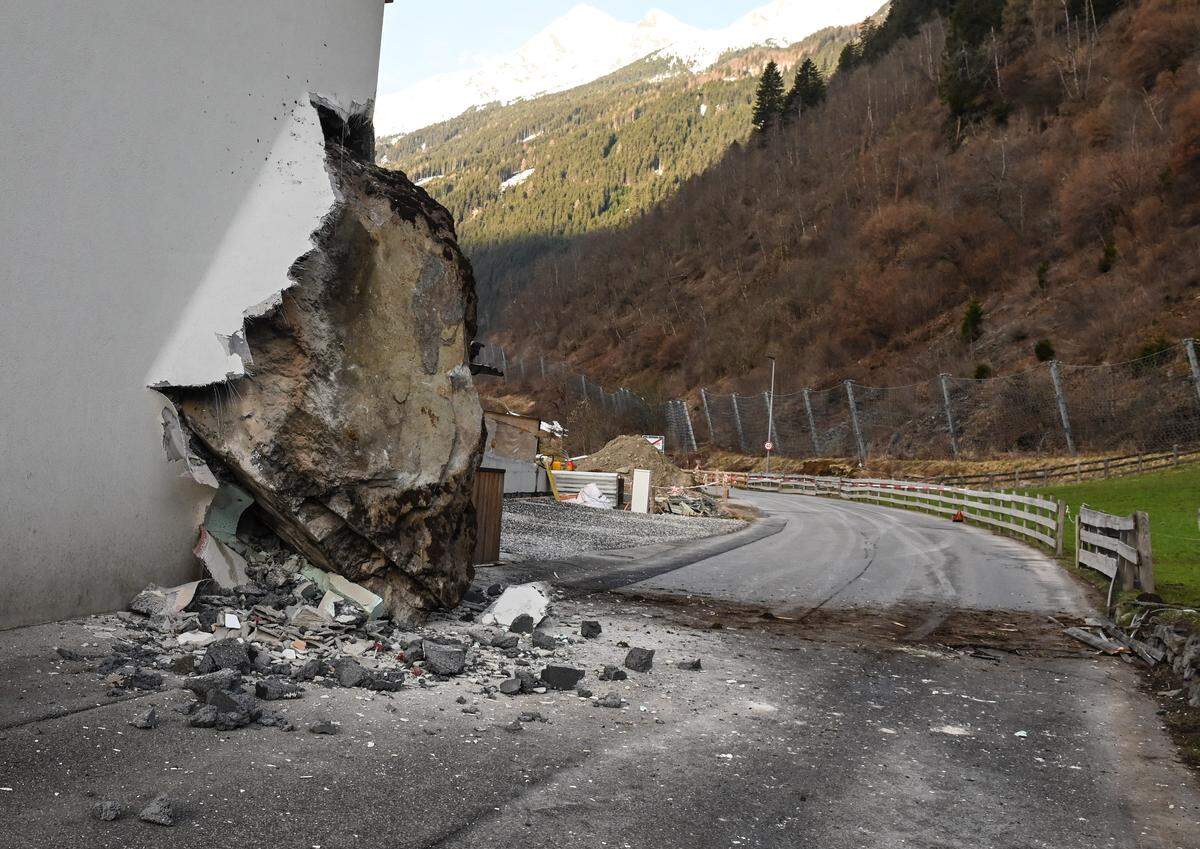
x=1060 y=537
x=1141 y=535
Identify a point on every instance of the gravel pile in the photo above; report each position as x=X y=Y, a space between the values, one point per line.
x=540 y=528
x=626 y=453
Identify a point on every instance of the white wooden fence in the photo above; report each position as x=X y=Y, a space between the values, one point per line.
x=1033 y=517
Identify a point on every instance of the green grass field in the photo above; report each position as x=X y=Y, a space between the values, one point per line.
x=1172 y=499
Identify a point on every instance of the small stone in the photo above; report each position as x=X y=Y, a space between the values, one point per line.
x=108 y=811
x=350 y=673
x=185 y=664
x=522 y=624
x=495 y=590
x=324 y=726
x=589 y=629
x=529 y=681
x=69 y=655
x=161 y=811
x=689 y=665
x=561 y=677
x=542 y=640
x=444 y=659
x=510 y=686
x=461 y=700
x=609 y=700
x=613 y=673
x=310 y=670
x=472 y=710
x=583 y=693
x=144 y=679
x=273 y=689
x=201 y=685
x=230 y=653
x=639 y=660
x=505 y=641
x=145 y=721
x=514 y=727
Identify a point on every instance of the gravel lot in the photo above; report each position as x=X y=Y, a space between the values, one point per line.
x=540 y=528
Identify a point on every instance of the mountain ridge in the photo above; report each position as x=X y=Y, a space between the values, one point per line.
x=586 y=44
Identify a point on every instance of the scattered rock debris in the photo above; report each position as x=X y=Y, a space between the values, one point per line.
x=589 y=629
x=160 y=811
x=639 y=660
x=108 y=811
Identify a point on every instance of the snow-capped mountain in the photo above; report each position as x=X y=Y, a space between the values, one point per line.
x=586 y=43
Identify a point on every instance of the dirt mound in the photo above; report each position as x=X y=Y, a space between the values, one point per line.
x=626 y=453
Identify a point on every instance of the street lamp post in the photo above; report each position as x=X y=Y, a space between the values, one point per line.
x=771 y=417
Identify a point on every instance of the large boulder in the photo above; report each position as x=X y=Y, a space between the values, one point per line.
x=357 y=427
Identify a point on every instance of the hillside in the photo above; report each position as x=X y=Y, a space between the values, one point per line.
x=521 y=178
x=1044 y=163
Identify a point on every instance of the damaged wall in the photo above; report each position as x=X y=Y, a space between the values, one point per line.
x=165 y=169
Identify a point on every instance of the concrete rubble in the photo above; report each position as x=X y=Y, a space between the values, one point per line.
x=284 y=647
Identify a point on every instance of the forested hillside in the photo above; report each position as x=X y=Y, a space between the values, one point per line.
x=525 y=177
x=986 y=184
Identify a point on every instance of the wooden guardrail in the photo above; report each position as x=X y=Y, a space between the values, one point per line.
x=1116 y=546
x=1077 y=470
x=1033 y=517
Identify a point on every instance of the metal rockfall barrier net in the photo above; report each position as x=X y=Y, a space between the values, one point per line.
x=1054 y=409
x=1144 y=405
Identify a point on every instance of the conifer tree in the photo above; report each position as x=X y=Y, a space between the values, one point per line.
x=807 y=91
x=768 y=100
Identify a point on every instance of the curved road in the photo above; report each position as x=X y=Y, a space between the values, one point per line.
x=841 y=554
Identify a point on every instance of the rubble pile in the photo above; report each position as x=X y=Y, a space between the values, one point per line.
x=687 y=502
x=626 y=453
x=243 y=653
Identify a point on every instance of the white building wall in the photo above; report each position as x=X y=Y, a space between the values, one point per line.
x=162 y=169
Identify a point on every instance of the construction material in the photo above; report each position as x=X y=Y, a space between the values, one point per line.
x=487 y=498
x=568 y=485
x=639 y=502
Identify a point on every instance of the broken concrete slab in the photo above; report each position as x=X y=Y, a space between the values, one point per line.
x=224 y=565
x=163 y=601
x=339 y=587
x=360 y=431
x=531 y=600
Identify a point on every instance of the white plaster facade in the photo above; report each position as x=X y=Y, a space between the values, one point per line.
x=162 y=170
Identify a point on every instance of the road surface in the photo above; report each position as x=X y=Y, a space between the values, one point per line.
x=843 y=554
x=861 y=721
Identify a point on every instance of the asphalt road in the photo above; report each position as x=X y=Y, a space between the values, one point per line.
x=837 y=729
x=841 y=554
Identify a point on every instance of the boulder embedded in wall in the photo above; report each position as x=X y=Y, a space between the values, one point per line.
x=357 y=427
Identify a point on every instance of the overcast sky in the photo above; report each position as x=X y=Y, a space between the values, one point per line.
x=424 y=38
